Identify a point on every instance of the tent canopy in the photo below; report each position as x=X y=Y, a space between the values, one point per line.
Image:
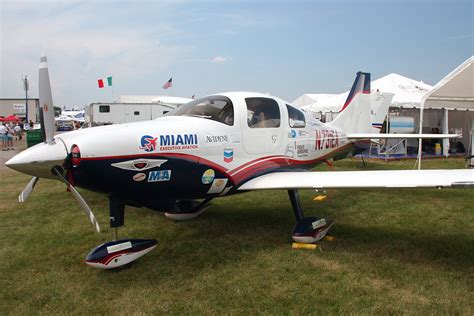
x=321 y=102
x=12 y=118
x=455 y=91
x=408 y=93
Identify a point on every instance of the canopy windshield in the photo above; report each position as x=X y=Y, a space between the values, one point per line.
x=217 y=108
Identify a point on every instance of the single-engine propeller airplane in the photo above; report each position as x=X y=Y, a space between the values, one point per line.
x=212 y=147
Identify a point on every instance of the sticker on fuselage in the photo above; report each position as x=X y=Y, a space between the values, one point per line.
x=228 y=155
x=302 y=151
x=139 y=177
x=217 y=186
x=169 y=142
x=119 y=247
x=208 y=176
x=148 y=143
x=139 y=164
x=215 y=140
x=326 y=139
x=319 y=223
x=159 y=175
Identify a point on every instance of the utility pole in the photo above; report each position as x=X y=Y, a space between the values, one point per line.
x=26 y=87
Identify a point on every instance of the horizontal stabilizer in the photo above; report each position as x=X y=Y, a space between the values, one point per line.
x=362 y=179
x=399 y=136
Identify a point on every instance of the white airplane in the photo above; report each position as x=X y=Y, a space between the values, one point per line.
x=212 y=147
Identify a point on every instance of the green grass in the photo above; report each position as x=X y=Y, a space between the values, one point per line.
x=396 y=251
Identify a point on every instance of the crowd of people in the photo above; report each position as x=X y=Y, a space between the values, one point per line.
x=9 y=132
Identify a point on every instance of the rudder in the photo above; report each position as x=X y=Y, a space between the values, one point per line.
x=354 y=116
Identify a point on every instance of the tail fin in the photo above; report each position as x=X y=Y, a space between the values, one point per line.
x=355 y=114
x=379 y=105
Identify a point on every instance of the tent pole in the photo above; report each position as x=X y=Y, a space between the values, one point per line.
x=445 y=131
x=420 y=132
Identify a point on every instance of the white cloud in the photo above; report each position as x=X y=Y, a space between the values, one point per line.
x=80 y=46
x=220 y=60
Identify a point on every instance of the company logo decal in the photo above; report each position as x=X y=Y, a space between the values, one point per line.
x=159 y=175
x=148 y=143
x=292 y=134
x=302 y=150
x=228 y=155
x=219 y=139
x=139 y=177
x=178 y=142
x=208 y=176
x=169 y=142
x=140 y=164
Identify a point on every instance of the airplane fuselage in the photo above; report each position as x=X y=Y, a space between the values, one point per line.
x=155 y=163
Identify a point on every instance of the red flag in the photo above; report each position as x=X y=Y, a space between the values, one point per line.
x=101 y=83
x=168 y=83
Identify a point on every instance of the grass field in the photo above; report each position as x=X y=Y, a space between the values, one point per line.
x=396 y=251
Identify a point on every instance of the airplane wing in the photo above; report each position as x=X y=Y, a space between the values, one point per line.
x=398 y=136
x=362 y=179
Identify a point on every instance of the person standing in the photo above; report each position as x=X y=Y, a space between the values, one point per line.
x=18 y=132
x=10 y=134
x=3 y=136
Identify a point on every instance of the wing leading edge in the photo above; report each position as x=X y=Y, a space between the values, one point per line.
x=362 y=179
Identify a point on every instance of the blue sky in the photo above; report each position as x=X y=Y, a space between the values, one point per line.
x=286 y=48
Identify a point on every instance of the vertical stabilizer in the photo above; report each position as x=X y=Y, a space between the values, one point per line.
x=46 y=100
x=379 y=105
x=355 y=115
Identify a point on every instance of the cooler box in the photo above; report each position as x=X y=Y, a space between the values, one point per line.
x=33 y=137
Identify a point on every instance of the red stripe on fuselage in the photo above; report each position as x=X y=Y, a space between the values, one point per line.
x=240 y=174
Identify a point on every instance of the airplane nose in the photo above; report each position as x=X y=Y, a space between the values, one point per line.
x=39 y=159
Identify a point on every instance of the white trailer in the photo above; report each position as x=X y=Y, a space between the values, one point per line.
x=124 y=112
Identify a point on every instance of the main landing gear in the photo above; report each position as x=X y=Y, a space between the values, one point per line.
x=118 y=253
x=307 y=229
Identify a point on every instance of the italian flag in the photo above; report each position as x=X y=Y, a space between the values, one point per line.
x=105 y=82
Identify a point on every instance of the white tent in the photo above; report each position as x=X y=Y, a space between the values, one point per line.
x=454 y=92
x=408 y=93
x=321 y=102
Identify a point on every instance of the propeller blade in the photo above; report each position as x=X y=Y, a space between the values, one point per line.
x=78 y=197
x=27 y=190
x=85 y=207
x=46 y=101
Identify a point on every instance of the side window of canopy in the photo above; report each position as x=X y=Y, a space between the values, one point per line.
x=217 y=108
x=262 y=113
x=295 y=117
